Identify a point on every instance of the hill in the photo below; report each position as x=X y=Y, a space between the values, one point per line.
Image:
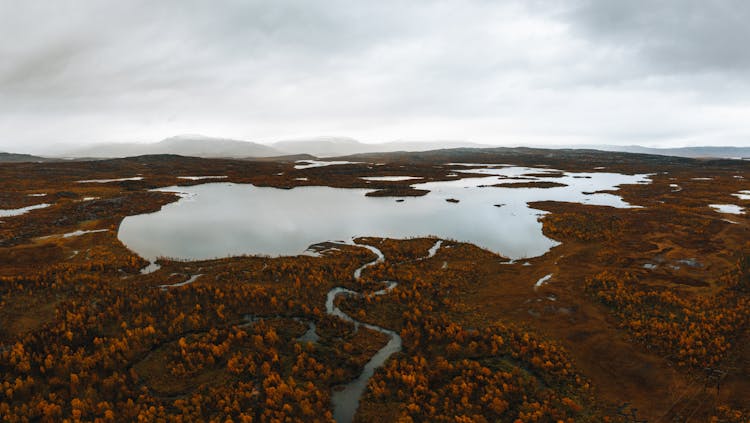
x=725 y=152
x=20 y=158
x=184 y=145
x=342 y=146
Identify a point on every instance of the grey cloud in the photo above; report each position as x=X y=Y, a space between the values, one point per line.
x=677 y=36
x=489 y=71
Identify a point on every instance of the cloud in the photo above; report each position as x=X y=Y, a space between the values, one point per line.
x=673 y=36
x=498 y=72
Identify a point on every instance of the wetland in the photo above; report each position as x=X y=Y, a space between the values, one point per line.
x=126 y=297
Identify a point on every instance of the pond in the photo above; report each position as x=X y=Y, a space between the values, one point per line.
x=105 y=181
x=22 y=210
x=728 y=208
x=308 y=164
x=225 y=219
x=390 y=178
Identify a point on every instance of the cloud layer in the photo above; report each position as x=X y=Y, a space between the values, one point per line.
x=543 y=72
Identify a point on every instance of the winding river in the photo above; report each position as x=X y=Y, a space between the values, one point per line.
x=346 y=400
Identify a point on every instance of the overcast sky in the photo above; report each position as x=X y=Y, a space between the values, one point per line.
x=655 y=73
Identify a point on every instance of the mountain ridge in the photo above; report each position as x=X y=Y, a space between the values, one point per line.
x=343 y=146
x=185 y=145
x=333 y=146
x=23 y=158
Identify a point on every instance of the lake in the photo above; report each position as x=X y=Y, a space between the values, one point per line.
x=226 y=219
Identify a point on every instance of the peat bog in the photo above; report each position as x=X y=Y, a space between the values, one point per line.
x=644 y=317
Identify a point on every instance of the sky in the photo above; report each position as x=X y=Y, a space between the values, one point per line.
x=659 y=73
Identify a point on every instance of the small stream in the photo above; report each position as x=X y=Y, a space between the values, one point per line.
x=346 y=401
x=190 y=280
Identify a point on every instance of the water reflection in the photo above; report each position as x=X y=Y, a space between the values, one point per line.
x=224 y=219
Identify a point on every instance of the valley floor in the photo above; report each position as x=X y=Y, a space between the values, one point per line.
x=640 y=314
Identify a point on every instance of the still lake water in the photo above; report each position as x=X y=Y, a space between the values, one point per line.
x=225 y=219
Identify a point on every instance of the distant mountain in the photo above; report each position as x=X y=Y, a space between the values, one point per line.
x=19 y=158
x=184 y=145
x=690 y=152
x=210 y=147
x=429 y=145
x=321 y=146
x=524 y=156
x=340 y=146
